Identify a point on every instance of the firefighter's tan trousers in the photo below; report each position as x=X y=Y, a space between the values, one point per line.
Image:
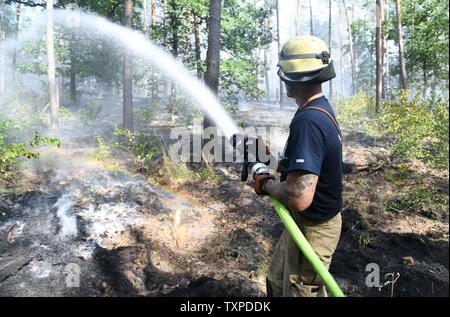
x=289 y=273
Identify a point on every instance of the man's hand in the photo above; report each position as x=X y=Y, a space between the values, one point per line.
x=296 y=193
x=260 y=181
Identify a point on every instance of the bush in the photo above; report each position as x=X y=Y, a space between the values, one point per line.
x=10 y=153
x=356 y=111
x=103 y=150
x=419 y=127
x=91 y=115
x=138 y=143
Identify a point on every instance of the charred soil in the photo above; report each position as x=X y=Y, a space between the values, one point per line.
x=72 y=226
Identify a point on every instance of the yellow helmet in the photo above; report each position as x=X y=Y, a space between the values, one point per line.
x=305 y=60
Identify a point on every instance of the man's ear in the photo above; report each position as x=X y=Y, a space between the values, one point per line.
x=289 y=90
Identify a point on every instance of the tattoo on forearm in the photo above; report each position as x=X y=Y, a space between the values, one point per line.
x=298 y=186
x=304 y=183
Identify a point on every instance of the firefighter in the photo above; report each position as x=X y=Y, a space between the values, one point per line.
x=311 y=170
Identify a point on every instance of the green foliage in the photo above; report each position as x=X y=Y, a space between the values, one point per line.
x=176 y=171
x=364 y=239
x=21 y=109
x=356 y=111
x=10 y=153
x=140 y=144
x=421 y=196
x=145 y=116
x=426 y=25
x=65 y=114
x=91 y=115
x=242 y=31
x=419 y=127
x=103 y=152
x=208 y=174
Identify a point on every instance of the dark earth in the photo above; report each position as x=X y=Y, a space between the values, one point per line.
x=71 y=226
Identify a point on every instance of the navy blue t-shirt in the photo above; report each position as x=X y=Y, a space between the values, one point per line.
x=314 y=145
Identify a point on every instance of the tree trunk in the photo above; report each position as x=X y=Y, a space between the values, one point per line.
x=165 y=22
x=279 y=49
x=297 y=22
x=341 y=49
x=166 y=82
x=175 y=25
x=187 y=41
x=387 y=86
x=401 y=51
x=153 y=19
x=73 y=85
x=51 y=72
x=198 y=53
x=127 y=73
x=144 y=18
x=14 y=58
x=2 y=52
x=311 y=18
x=154 y=74
x=2 y=60
x=213 y=53
x=329 y=42
x=267 y=27
x=379 y=56
x=352 y=56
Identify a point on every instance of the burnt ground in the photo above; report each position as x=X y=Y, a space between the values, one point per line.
x=128 y=233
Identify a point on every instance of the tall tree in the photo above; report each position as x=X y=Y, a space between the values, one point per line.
x=127 y=73
x=175 y=26
x=386 y=58
x=154 y=76
x=153 y=19
x=16 y=35
x=401 y=50
x=297 y=21
x=213 y=53
x=279 y=49
x=2 y=52
x=379 y=55
x=311 y=17
x=144 y=16
x=350 y=44
x=198 y=53
x=341 y=50
x=266 y=60
x=51 y=72
x=165 y=22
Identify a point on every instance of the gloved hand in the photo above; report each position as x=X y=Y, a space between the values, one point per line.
x=260 y=180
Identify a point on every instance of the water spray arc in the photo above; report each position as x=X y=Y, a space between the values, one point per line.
x=143 y=48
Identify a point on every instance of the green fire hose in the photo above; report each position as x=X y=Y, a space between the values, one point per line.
x=306 y=249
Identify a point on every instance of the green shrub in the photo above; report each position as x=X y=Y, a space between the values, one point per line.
x=419 y=128
x=91 y=115
x=103 y=151
x=10 y=152
x=356 y=111
x=140 y=144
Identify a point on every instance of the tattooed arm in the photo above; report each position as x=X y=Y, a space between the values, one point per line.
x=296 y=193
